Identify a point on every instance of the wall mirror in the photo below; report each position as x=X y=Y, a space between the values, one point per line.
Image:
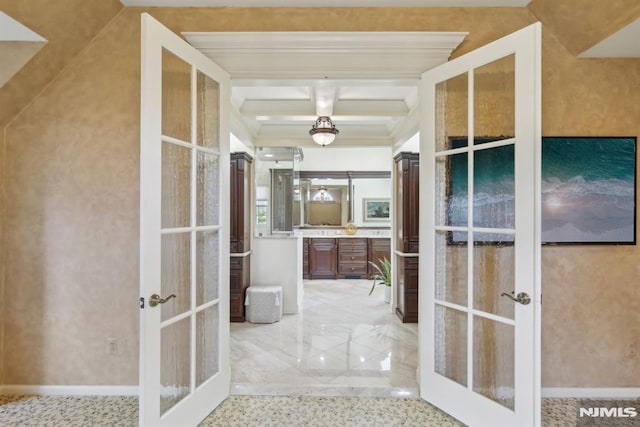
x=333 y=198
x=274 y=189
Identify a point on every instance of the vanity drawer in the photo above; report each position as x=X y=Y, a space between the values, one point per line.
x=353 y=268
x=352 y=245
x=353 y=258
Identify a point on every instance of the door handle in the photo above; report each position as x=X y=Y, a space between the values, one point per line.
x=523 y=297
x=155 y=299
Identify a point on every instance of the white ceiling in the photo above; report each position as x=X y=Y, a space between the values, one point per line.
x=366 y=82
x=18 y=44
x=621 y=44
x=372 y=78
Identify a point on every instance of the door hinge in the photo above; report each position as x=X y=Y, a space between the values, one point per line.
x=141 y=302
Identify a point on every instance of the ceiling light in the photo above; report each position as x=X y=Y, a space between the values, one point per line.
x=323 y=131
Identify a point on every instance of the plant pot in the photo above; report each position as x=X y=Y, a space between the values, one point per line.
x=387 y=294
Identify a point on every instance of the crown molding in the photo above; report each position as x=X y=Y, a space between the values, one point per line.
x=321 y=55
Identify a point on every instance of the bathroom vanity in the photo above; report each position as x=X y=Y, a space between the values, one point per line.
x=342 y=256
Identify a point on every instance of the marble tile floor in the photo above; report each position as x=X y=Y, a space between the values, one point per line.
x=337 y=363
x=343 y=343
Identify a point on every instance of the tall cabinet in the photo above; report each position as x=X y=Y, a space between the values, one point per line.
x=240 y=233
x=407 y=170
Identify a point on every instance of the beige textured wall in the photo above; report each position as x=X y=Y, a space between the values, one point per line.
x=591 y=301
x=580 y=24
x=68 y=26
x=72 y=225
x=72 y=175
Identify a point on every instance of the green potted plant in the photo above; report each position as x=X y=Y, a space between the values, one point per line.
x=382 y=277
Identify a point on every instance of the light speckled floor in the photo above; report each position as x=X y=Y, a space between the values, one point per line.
x=255 y=411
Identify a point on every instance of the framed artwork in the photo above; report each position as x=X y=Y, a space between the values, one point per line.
x=588 y=191
x=375 y=209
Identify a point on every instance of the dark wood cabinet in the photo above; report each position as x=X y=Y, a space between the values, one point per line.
x=240 y=220
x=408 y=197
x=407 y=288
x=240 y=233
x=305 y=258
x=239 y=281
x=407 y=170
x=352 y=258
x=342 y=258
x=323 y=259
x=379 y=248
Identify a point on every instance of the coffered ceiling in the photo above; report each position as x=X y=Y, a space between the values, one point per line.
x=366 y=82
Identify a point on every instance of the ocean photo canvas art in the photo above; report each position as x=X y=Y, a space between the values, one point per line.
x=588 y=190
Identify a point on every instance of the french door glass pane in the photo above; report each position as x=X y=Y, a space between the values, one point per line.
x=494 y=97
x=494 y=273
x=207 y=266
x=494 y=187
x=207 y=343
x=493 y=360
x=175 y=372
x=451 y=110
x=451 y=268
x=175 y=276
x=452 y=190
x=176 y=97
x=208 y=104
x=450 y=344
x=208 y=189
x=176 y=185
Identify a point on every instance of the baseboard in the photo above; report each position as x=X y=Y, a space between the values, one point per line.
x=592 y=393
x=71 y=390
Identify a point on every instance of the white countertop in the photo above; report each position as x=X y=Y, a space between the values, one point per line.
x=335 y=233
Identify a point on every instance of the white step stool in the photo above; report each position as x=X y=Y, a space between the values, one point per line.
x=264 y=304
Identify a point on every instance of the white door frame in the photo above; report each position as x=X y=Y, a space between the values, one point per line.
x=536 y=296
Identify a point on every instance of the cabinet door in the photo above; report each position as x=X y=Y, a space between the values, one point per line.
x=378 y=249
x=305 y=258
x=407 y=192
x=407 y=288
x=413 y=196
x=323 y=259
x=235 y=206
x=239 y=275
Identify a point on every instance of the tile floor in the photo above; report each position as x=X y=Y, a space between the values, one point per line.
x=343 y=343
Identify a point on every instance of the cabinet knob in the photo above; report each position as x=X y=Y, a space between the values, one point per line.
x=353 y=268
x=353 y=257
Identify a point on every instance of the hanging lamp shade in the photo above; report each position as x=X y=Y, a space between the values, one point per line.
x=323 y=131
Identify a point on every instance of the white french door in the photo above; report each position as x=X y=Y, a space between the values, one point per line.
x=480 y=235
x=184 y=223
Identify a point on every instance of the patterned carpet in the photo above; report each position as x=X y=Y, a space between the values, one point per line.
x=256 y=411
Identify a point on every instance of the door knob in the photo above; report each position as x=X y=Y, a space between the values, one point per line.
x=523 y=297
x=155 y=299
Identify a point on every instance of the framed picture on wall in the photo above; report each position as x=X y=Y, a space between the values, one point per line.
x=588 y=191
x=375 y=209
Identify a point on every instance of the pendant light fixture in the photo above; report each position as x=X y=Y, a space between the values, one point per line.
x=323 y=131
